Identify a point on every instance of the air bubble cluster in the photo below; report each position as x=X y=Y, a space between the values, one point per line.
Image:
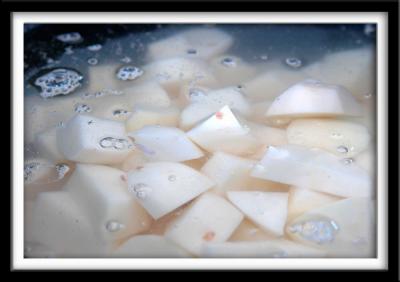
x=116 y=143
x=58 y=82
x=228 y=62
x=82 y=108
x=320 y=231
x=129 y=73
x=294 y=62
x=71 y=37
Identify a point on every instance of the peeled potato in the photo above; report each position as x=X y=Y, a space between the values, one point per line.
x=313 y=169
x=312 y=98
x=342 y=138
x=343 y=229
x=267 y=209
x=161 y=187
x=248 y=231
x=164 y=143
x=147 y=93
x=366 y=160
x=46 y=145
x=209 y=219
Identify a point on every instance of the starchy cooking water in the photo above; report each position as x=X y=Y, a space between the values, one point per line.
x=200 y=141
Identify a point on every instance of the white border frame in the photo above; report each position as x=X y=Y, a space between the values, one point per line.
x=18 y=20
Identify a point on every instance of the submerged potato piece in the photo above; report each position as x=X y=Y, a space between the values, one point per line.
x=46 y=145
x=270 y=84
x=260 y=249
x=353 y=69
x=143 y=115
x=88 y=139
x=366 y=160
x=312 y=98
x=207 y=103
x=267 y=135
x=148 y=93
x=313 y=169
x=197 y=42
x=302 y=200
x=162 y=143
x=248 y=231
x=343 y=229
x=161 y=187
x=223 y=132
x=231 y=70
x=61 y=224
x=342 y=138
x=149 y=246
x=231 y=172
x=267 y=209
x=172 y=73
x=209 y=219
x=104 y=196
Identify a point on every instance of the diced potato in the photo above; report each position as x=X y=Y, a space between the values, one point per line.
x=62 y=225
x=148 y=93
x=160 y=225
x=302 y=200
x=149 y=246
x=258 y=110
x=260 y=249
x=46 y=145
x=235 y=72
x=209 y=219
x=149 y=115
x=312 y=98
x=267 y=209
x=164 y=143
x=342 y=138
x=248 y=231
x=88 y=139
x=197 y=164
x=196 y=42
x=366 y=160
x=223 y=132
x=171 y=73
x=205 y=105
x=313 y=169
x=267 y=135
x=353 y=69
x=135 y=160
x=161 y=187
x=343 y=229
x=233 y=173
x=269 y=85
x=104 y=196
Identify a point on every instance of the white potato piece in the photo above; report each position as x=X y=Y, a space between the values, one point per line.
x=149 y=246
x=161 y=187
x=267 y=209
x=313 y=169
x=343 y=229
x=248 y=231
x=134 y=160
x=46 y=145
x=302 y=200
x=231 y=70
x=104 y=196
x=312 y=98
x=171 y=73
x=164 y=143
x=353 y=69
x=260 y=249
x=88 y=139
x=148 y=93
x=258 y=110
x=270 y=84
x=196 y=42
x=231 y=172
x=207 y=103
x=209 y=219
x=267 y=135
x=61 y=224
x=143 y=115
x=224 y=132
x=342 y=138
x=366 y=160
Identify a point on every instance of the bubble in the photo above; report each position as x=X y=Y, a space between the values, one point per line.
x=196 y=93
x=92 y=61
x=62 y=170
x=120 y=113
x=114 y=226
x=348 y=161
x=318 y=231
x=129 y=73
x=336 y=135
x=107 y=142
x=228 y=62
x=30 y=169
x=264 y=57
x=293 y=62
x=367 y=95
x=95 y=47
x=82 y=108
x=71 y=37
x=172 y=178
x=342 y=149
x=121 y=144
x=140 y=190
x=126 y=60
x=58 y=81
x=191 y=51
